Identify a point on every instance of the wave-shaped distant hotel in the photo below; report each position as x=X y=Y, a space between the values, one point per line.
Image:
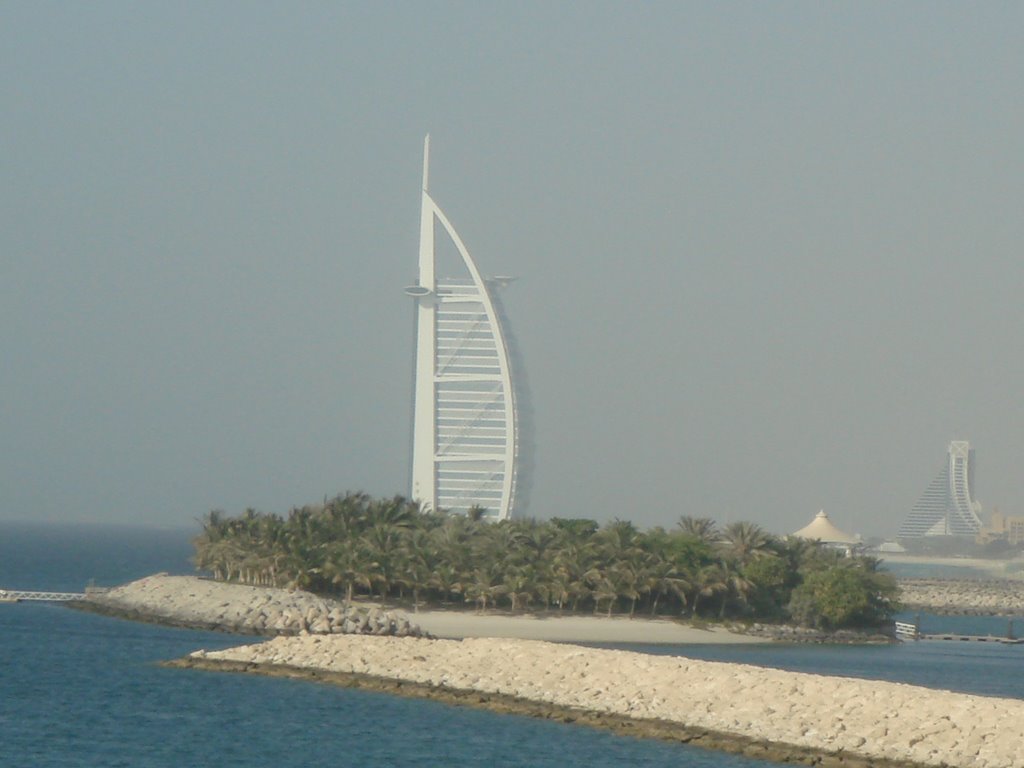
x=947 y=507
x=466 y=422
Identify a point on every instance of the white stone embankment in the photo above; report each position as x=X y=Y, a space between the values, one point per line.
x=201 y=603
x=879 y=721
x=990 y=597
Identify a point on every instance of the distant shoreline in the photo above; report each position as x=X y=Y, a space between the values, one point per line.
x=964 y=597
x=189 y=602
x=996 y=568
x=206 y=604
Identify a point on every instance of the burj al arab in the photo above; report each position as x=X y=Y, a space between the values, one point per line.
x=466 y=444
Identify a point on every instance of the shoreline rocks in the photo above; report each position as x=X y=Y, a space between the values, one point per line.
x=624 y=725
x=790 y=633
x=964 y=597
x=775 y=714
x=188 y=601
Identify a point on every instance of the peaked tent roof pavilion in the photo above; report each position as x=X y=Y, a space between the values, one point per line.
x=822 y=529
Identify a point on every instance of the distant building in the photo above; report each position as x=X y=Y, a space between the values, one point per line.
x=1008 y=528
x=468 y=445
x=891 y=548
x=947 y=508
x=822 y=529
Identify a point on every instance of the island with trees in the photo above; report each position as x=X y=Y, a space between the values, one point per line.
x=388 y=550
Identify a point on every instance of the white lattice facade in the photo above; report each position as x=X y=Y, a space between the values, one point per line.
x=947 y=508
x=465 y=445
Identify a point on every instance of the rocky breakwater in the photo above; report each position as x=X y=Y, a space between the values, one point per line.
x=778 y=715
x=989 y=597
x=187 y=601
x=789 y=633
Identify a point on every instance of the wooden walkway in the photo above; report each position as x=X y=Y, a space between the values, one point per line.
x=908 y=631
x=974 y=639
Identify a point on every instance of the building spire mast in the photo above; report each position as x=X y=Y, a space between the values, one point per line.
x=426 y=161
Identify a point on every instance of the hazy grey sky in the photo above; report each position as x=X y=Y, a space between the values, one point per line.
x=769 y=253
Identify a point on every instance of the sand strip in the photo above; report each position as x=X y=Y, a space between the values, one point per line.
x=571 y=629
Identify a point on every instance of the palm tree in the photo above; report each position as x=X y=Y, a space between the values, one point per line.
x=207 y=543
x=703 y=529
x=603 y=588
x=346 y=516
x=346 y=565
x=665 y=578
x=736 y=584
x=745 y=541
x=570 y=564
x=520 y=585
x=270 y=545
x=709 y=581
x=476 y=513
x=505 y=542
x=629 y=578
x=453 y=541
x=419 y=561
x=397 y=512
x=617 y=539
x=483 y=587
x=382 y=545
x=446 y=579
x=796 y=551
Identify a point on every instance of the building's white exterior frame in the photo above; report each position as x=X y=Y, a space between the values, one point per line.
x=464 y=421
x=947 y=506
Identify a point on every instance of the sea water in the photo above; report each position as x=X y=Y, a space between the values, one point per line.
x=78 y=689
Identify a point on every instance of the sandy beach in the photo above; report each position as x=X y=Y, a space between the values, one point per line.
x=570 y=629
x=188 y=601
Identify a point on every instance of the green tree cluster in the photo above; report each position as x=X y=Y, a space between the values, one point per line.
x=354 y=545
x=835 y=597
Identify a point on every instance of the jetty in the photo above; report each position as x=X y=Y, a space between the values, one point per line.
x=975 y=639
x=18 y=595
x=907 y=631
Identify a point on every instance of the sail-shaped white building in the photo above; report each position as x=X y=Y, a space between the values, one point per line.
x=465 y=451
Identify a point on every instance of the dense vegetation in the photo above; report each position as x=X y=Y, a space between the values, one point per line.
x=387 y=549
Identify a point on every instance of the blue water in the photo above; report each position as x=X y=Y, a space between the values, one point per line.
x=990 y=669
x=83 y=690
x=66 y=558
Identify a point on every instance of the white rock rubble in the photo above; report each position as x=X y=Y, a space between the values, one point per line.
x=191 y=601
x=875 y=719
